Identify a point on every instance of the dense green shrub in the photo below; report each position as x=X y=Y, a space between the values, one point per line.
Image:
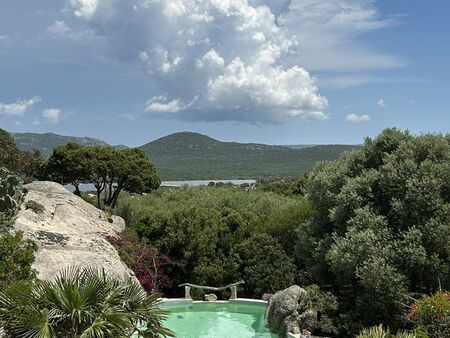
x=10 y=198
x=201 y=230
x=16 y=254
x=262 y=263
x=326 y=306
x=380 y=226
x=289 y=186
x=16 y=258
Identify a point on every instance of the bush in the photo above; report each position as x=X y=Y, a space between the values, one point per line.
x=261 y=262
x=201 y=228
x=146 y=262
x=326 y=306
x=289 y=186
x=10 y=198
x=16 y=254
x=379 y=226
x=380 y=332
x=36 y=207
x=431 y=315
x=16 y=258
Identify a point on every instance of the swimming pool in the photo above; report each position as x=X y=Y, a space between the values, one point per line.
x=216 y=320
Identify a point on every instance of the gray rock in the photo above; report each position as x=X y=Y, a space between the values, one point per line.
x=266 y=296
x=286 y=312
x=290 y=324
x=69 y=232
x=282 y=304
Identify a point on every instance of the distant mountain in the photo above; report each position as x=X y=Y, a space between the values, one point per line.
x=46 y=142
x=190 y=156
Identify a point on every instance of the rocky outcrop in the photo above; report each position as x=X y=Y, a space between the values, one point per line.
x=68 y=231
x=287 y=312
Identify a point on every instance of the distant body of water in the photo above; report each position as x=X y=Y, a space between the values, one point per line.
x=204 y=182
x=175 y=184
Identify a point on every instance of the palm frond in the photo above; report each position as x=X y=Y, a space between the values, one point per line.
x=82 y=303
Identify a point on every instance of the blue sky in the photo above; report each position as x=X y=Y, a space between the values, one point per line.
x=271 y=71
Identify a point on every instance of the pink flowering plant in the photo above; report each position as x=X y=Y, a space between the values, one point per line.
x=146 y=262
x=431 y=315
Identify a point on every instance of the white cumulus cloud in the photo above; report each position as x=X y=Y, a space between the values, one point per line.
x=160 y=104
x=52 y=115
x=19 y=107
x=211 y=59
x=246 y=60
x=354 y=118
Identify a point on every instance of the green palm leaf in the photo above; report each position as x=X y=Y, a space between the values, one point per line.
x=81 y=304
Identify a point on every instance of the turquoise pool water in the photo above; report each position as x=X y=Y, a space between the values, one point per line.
x=216 y=320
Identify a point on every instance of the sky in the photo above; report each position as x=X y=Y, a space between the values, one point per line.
x=269 y=71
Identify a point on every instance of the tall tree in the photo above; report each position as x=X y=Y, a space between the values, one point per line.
x=110 y=170
x=101 y=164
x=10 y=155
x=133 y=171
x=69 y=165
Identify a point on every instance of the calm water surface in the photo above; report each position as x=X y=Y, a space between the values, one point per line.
x=198 y=183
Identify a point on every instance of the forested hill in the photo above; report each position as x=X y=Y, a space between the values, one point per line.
x=190 y=156
x=46 y=142
x=193 y=156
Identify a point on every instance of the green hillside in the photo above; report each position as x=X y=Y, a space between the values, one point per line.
x=190 y=156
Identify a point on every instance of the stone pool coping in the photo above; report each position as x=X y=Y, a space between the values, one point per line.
x=231 y=301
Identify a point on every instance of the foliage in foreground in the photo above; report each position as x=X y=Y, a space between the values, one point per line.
x=16 y=258
x=23 y=163
x=380 y=332
x=216 y=236
x=81 y=304
x=431 y=315
x=380 y=226
x=10 y=198
x=147 y=263
x=16 y=254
